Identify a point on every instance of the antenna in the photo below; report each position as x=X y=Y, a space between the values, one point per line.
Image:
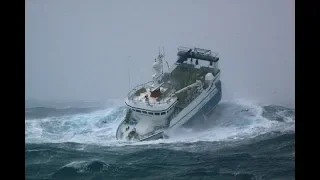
x=168 y=66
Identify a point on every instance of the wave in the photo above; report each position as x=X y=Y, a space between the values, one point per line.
x=43 y=112
x=271 y=158
x=230 y=121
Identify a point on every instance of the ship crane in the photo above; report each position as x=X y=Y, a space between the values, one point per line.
x=198 y=83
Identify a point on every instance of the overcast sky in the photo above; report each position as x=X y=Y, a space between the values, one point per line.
x=78 y=49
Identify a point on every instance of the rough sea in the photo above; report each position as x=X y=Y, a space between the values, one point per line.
x=239 y=141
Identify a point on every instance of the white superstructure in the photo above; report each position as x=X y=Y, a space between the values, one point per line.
x=171 y=98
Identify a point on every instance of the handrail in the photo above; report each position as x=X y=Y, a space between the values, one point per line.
x=131 y=95
x=138 y=87
x=152 y=103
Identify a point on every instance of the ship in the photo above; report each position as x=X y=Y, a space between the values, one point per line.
x=186 y=93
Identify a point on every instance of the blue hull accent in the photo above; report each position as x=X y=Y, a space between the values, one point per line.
x=207 y=107
x=156 y=136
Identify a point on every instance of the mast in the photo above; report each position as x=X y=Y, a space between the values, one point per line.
x=164 y=56
x=160 y=56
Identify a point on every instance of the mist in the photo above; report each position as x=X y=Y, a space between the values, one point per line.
x=78 y=50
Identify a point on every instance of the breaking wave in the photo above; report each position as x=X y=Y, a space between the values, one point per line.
x=230 y=121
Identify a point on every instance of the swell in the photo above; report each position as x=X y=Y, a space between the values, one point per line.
x=267 y=158
x=44 y=112
x=240 y=140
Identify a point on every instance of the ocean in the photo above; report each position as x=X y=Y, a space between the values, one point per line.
x=241 y=140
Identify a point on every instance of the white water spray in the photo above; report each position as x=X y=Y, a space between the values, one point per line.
x=230 y=122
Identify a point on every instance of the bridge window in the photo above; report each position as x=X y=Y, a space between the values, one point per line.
x=162 y=113
x=157 y=114
x=138 y=111
x=144 y=112
x=150 y=113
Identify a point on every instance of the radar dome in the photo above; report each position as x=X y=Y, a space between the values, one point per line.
x=209 y=77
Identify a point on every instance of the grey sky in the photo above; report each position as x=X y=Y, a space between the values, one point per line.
x=78 y=49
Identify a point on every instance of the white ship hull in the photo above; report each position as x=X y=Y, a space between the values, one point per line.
x=156 y=110
x=202 y=106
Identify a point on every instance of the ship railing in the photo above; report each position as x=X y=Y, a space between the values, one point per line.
x=161 y=102
x=132 y=94
x=133 y=91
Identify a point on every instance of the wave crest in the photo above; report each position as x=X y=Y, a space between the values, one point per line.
x=230 y=121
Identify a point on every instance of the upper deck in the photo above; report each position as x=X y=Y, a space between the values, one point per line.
x=145 y=96
x=157 y=95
